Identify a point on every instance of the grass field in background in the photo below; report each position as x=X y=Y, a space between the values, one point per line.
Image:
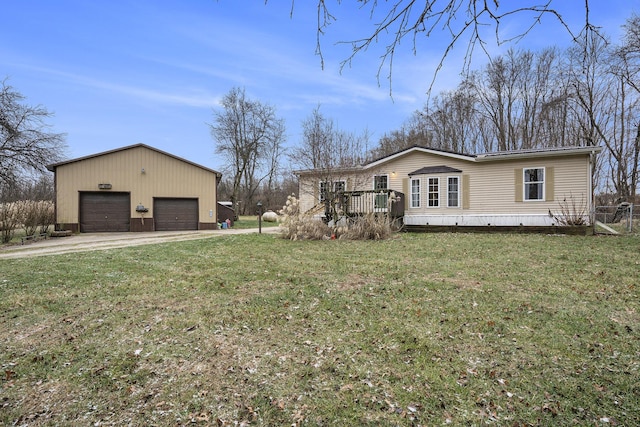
x=249 y=221
x=422 y=329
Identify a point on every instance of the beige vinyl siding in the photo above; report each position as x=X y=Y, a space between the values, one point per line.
x=493 y=187
x=399 y=169
x=465 y=191
x=164 y=176
x=309 y=186
x=487 y=187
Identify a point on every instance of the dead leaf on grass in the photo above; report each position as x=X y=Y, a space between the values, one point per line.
x=346 y=387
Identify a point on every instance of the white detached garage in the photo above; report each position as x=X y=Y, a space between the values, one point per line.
x=134 y=188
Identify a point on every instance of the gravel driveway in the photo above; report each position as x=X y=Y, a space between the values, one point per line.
x=98 y=241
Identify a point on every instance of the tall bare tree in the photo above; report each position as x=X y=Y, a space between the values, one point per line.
x=331 y=153
x=249 y=135
x=27 y=143
x=627 y=67
x=471 y=23
x=324 y=146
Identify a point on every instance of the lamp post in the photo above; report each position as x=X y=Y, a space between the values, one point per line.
x=260 y=217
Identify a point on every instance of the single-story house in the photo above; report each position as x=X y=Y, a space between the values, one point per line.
x=525 y=188
x=134 y=188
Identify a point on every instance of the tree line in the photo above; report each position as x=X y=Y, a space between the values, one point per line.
x=587 y=95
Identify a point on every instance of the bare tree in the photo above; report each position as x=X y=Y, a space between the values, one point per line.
x=27 y=143
x=628 y=68
x=451 y=118
x=332 y=154
x=324 y=146
x=250 y=136
x=463 y=21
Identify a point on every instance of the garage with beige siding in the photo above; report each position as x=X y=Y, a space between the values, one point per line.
x=134 y=188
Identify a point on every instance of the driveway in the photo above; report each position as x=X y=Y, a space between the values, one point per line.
x=98 y=241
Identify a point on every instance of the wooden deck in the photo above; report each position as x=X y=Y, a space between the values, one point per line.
x=357 y=203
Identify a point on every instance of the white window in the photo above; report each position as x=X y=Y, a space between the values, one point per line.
x=534 y=184
x=433 y=192
x=415 y=193
x=380 y=182
x=453 y=191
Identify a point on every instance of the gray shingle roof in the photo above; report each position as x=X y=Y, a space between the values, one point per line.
x=435 y=169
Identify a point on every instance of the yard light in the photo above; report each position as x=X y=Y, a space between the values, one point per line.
x=260 y=217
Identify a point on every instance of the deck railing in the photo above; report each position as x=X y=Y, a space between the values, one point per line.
x=357 y=203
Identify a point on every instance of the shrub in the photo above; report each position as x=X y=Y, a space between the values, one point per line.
x=34 y=216
x=10 y=218
x=572 y=212
x=30 y=216
x=46 y=215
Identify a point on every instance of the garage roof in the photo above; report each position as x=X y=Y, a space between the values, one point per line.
x=52 y=167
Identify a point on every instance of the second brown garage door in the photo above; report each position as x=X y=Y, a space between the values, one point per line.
x=175 y=214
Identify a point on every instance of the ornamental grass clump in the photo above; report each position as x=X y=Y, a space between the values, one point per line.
x=296 y=225
x=371 y=226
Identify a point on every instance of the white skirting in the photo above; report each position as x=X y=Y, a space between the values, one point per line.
x=483 y=220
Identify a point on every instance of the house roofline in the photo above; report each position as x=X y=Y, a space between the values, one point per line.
x=492 y=156
x=474 y=158
x=537 y=152
x=420 y=148
x=52 y=167
x=331 y=171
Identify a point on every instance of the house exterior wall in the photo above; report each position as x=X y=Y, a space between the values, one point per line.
x=309 y=185
x=163 y=176
x=488 y=188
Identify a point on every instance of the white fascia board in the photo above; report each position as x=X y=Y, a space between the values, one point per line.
x=468 y=158
x=531 y=154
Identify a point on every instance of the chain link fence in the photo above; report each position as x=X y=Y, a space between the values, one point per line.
x=622 y=219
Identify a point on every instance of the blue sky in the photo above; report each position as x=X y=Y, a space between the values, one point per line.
x=117 y=73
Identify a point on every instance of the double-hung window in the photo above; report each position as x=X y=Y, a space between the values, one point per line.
x=453 y=191
x=381 y=182
x=415 y=193
x=534 y=184
x=433 y=192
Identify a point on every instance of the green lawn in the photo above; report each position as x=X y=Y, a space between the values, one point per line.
x=423 y=329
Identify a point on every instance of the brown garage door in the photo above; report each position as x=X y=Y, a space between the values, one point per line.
x=104 y=212
x=175 y=214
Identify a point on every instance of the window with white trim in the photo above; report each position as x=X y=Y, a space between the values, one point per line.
x=380 y=182
x=453 y=192
x=415 y=193
x=533 y=184
x=433 y=192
